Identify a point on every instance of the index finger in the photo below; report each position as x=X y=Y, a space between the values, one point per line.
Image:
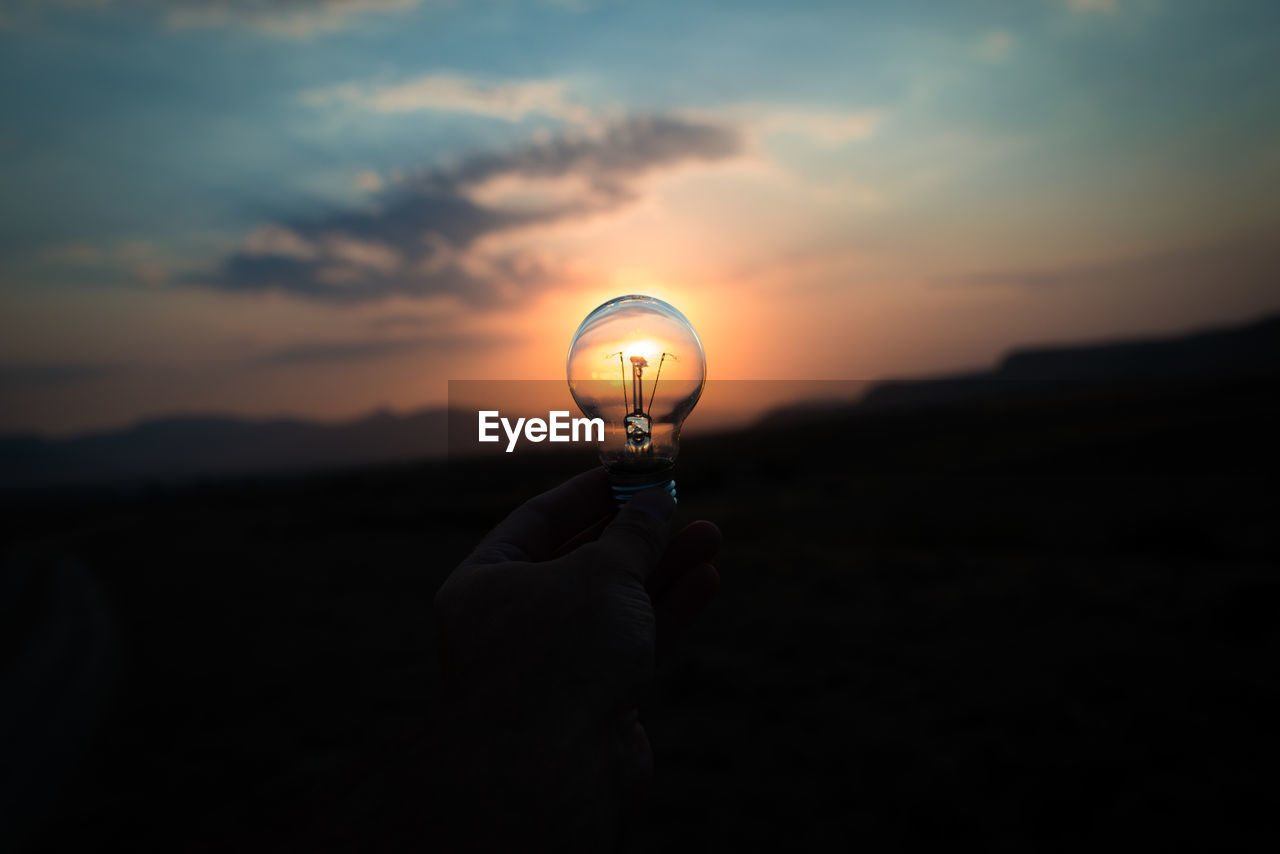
x=535 y=529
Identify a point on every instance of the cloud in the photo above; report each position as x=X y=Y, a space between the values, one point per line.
x=378 y=348
x=369 y=181
x=825 y=127
x=400 y=320
x=1031 y=279
x=510 y=101
x=1246 y=262
x=995 y=46
x=1106 y=7
x=288 y=18
x=283 y=18
x=137 y=260
x=54 y=374
x=77 y=254
x=421 y=239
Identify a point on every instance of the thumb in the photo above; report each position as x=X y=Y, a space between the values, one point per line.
x=637 y=537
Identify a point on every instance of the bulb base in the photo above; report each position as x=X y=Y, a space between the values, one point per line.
x=626 y=485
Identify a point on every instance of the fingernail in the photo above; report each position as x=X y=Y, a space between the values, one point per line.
x=655 y=502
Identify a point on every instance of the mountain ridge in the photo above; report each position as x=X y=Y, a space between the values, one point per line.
x=212 y=445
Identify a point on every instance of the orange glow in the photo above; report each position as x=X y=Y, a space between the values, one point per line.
x=650 y=350
x=784 y=279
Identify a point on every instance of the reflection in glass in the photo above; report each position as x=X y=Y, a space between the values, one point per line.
x=638 y=364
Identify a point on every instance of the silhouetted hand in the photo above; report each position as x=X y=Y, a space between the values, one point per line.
x=550 y=633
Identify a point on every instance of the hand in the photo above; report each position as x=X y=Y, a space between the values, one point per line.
x=550 y=630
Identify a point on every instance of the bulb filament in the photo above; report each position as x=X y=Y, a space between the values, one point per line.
x=639 y=423
x=638 y=364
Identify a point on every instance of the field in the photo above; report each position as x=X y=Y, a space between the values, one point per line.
x=1033 y=621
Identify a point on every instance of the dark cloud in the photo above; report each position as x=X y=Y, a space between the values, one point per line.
x=418 y=240
x=357 y=351
x=625 y=150
x=54 y=374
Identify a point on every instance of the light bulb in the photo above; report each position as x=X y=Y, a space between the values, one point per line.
x=638 y=364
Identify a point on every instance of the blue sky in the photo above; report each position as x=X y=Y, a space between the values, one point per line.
x=318 y=208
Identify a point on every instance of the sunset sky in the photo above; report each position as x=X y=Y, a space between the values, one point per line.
x=322 y=208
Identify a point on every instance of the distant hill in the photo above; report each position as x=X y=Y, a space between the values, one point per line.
x=202 y=446
x=1238 y=352
x=197 y=447
x=1243 y=352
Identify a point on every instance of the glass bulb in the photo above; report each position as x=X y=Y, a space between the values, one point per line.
x=638 y=364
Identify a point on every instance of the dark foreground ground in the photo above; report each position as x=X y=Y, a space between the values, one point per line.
x=1042 y=621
